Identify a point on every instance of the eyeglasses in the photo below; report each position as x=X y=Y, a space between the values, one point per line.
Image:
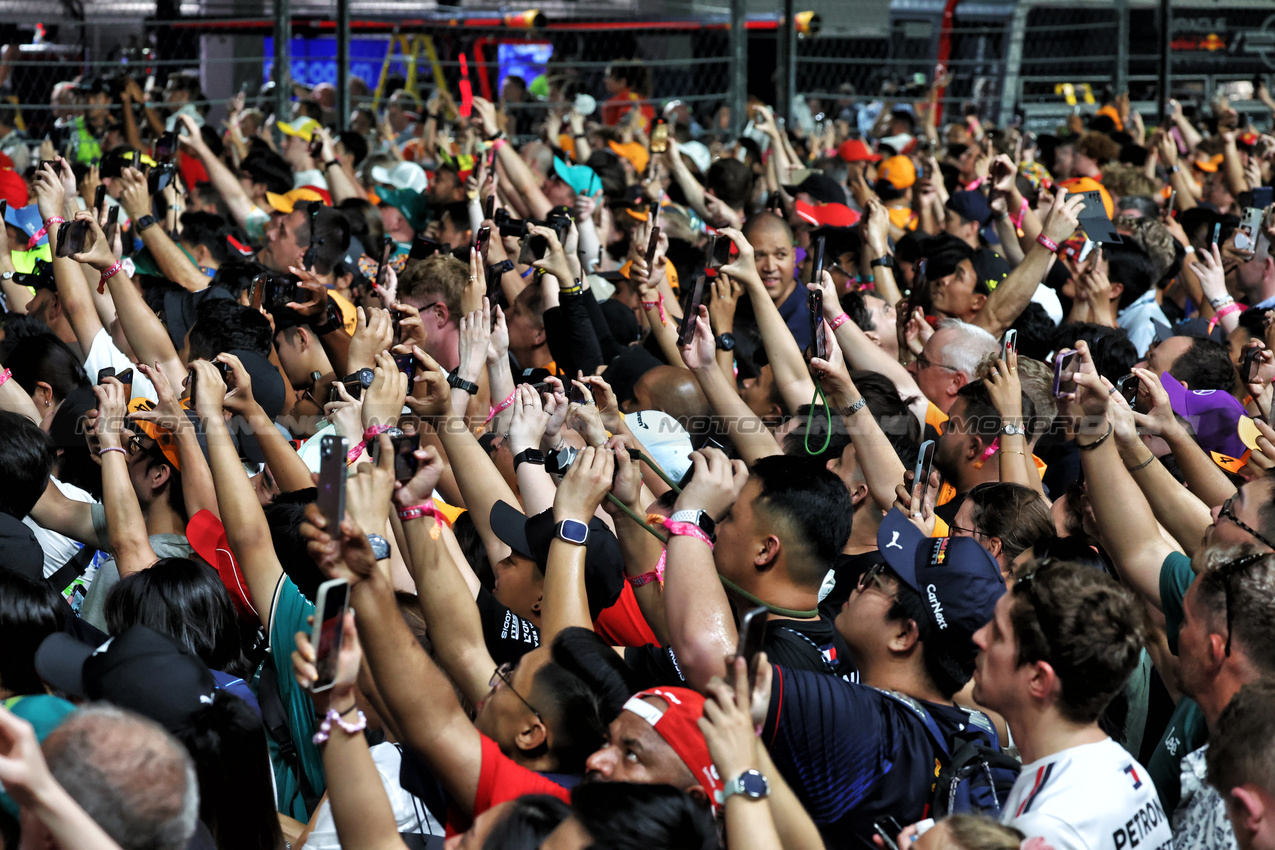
x=501 y=674
x=1231 y=568
x=1226 y=511
x=137 y=447
x=957 y=531
x=872 y=579
x=923 y=363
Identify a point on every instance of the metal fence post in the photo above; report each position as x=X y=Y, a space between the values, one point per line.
x=739 y=65
x=786 y=84
x=1012 y=80
x=1122 y=46
x=1166 y=35
x=282 y=62
x=342 y=63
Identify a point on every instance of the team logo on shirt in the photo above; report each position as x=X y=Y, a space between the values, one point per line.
x=1133 y=774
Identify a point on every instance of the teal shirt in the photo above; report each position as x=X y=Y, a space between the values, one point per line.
x=1186 y=731
x=289 y=615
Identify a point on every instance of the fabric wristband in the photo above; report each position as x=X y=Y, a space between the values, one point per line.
x=1048 y=243
x=839 y=321
x=496 y=411
x=107 y=275
x=5 y=376
x=657 y=303
x=373 y=431
x=645 y=578
x=417 y=511
x=687 y=529
x=355 y=452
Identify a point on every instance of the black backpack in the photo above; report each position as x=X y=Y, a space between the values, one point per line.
x=975 y=776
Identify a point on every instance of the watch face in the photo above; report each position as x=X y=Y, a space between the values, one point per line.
x=753 y=784
x=573 y=531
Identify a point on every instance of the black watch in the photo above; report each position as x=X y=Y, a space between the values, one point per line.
x=331 y=320
x=886 y=262
x=363 y=378
x=330 y=163
x=726 y=341
x=529 y=456
x=143 y=223
x=456 y=381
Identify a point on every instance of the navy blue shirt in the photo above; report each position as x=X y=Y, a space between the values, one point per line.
x=852 y=753
x=796 y=316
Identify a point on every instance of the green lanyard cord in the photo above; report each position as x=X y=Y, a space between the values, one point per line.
x=774 y=609
x=827 y=437
x=659 y=535
x=655 y=467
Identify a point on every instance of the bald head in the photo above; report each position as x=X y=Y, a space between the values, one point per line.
x=766 y=222
x=131 y=776
x=672 y=390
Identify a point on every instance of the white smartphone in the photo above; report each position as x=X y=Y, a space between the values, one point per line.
x=329 y=617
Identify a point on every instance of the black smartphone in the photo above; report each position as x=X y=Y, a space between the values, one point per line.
x=125 y=377
x=4 y=210
x=257 y=290
x=481 y=241
x=752 y=629
x=888 y=828
x=489 y=206
x=1250 y=364
x=1066 y=362
x=135 y=160
x=721 y=252
x=104 y=373
x=71 y=237
x=921 y=472
x=1010 y=344
x=651 y=245
x=49 y=163
x=281 y=290
x=226 y=372
x=710 y=251
x=406 y=364
x=1263 y=196
x=404 y=448
x=653 y=213
x=1128 y=388
x=165 y=147
x=575 y=395
x=819 y=340
x=331 y=501
x=307 y=259
x=1217 y=231
x=687 y=329
x=192 y=380
x=423 y=247
x=330 y=605
x=816 y=263
x=112 y=223
x=316 y=148
x=387 y=251
x=99 y=198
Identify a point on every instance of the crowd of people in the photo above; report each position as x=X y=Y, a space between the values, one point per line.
x=512 y=481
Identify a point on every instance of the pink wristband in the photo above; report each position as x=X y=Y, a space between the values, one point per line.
x=108 y=274
x=839 y=321
x=659 y=302
x=373 y=430
x=5 y=376
x=1223 y=312
x=687 y=529
x=645 y=578
x=418 y=511
x=1048 y=243
x=353 y=454
x=53 y=219
x=496 y=411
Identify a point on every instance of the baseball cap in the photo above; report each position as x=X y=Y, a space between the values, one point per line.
x=44 y=713
x=288 y=202
x=411 y=204
x=1197 y=327
x=139 y=669
x=827 y=215
x=581 y=178
x=957 y=578
x=633 y=152
x=990 y=268
x=303 y=127
x=404 y=175
x=821 y=187
x=854 y=150
x=943 y=252
x=662 y=438
x=29 y=221
x=531 y=536
x=971 y=206
x=13 y=188
x=162 y=436
x=898 y=171
x=838 y=241
x=1214 y=417
x=678 y=725
x=698 y=153
x=20 y=552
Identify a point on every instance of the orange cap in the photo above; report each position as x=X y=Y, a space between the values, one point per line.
x=899 y=171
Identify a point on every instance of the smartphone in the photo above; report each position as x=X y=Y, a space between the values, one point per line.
x=406 y=364
x=112 y=223
x=404 y=447
x=1085 y=250
x=165 y=147
x=888 y=828
x=135 y=160
x=721 y=252
x=423 y=247
x=653 y=213
x=257 y=290
x=104 y=373
x=316 y=148
x=1168 y=207
x=1250 y=227
x=484 y=236
x=281 y=290
x=191 y=385
x=387 y=251
x=332 y=453
x=921 y=472
x=575 y=395
x=816 y=264
x=659 y=136
x=687 y=329
x=1010 y=344
x=4 y=210
x=1250 y=364
x=125 y=377
x=1066 y=362
x=814 y=301
x=1217 y=231
x=329 y=627
x=99 y=198
x=651 y=245
x=752 y=629
x=1128 y=388
x=71 y=237
x=489 y=206
x=50 y=164
x=710 y=252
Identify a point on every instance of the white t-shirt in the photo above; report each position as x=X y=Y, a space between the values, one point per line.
x=58 y=548
x=104 y=353
x=410 y=814
x=1090 y=797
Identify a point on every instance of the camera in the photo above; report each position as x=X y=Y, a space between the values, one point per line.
x=559 y=220
x=159 y=177
x=508 y=226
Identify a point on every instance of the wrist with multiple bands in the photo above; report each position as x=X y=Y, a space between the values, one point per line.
x=1096 y=443
x=333 y=716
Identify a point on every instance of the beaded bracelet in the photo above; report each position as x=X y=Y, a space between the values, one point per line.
x=325 y=728
x=106 y=449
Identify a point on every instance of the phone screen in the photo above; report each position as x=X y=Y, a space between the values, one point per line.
x=1128 y=387
x=99 y=198
x=815 y=302
x=1217 y=231
x=165 y=147
x=752 y=629
x=332 y=453
x=659 y=136
x=1011 y=344
x=686 y=331
x=423 y=247
x=104 y=373
x=921 y=473
x=1066 y=362
x=71 y=237
x=484 y=236
x=330 y=605
x=816 y=264
x=710 y=252
x=1249 y=365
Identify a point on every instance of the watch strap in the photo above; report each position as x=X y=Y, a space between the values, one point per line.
x=885 y=262
x=534 y=456
x=698 y=518
x=559 y=527
x=144 y=222
x=457 y=382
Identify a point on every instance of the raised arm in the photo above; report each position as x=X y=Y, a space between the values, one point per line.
x=566 y=603
x=198 y=492
x=129 y=541
x=221 y=177
x=876 y=247
x=520 y=175
x=72 y=294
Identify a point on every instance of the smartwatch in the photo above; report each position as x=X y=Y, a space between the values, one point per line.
x=699 y=518
x=457 y=382
x=331 y=320
x=749 y=784
x=363 y=378
x=380 y=546
x=885 y=262
x=529 y=456
x=7 y=275
x=144 y=222
x=726 y=341
x=572 y=531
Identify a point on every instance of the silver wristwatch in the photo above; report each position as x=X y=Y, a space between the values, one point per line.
x=750 y=784
x=1014 y=431
x=380 y=546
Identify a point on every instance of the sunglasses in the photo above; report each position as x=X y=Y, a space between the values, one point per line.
x=1228 y=511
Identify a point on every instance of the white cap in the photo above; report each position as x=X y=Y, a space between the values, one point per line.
x=404 y=175
x=662 y=438
x=699 y=154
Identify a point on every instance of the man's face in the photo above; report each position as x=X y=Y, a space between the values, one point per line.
x=756 y=393
x=396 y=225
x=42 y=305
x=451 y=234
x=1244 y=506
x=737 y=538
x=965 y=163
x=635 y=752
x=296 y=150
x=558 y=192
x=525 y=333
x=932 y=376
x=957 y=226
x=954 y=294
x=282 y=250
x=1216 y=193
x=864 y=620
x=997 y=676
x=884 y=318
x=1196 y=653
x=443 y=189
x=502 y=715
x=775 y=261
x=518 y=586
x=1162 y=355
x=950 y=455
x=98 y=108
x=397 y=115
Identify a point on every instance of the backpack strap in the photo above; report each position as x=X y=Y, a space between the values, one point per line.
x=275 y=719
x=936 y=734
x=72 y=569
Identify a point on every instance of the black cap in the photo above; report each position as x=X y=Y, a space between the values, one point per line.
x=943 y=253
x=20 y=552
x=821 y=187
x=531 y=536
x=139 y=669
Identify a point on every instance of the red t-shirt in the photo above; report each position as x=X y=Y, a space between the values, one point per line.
x=502 y=779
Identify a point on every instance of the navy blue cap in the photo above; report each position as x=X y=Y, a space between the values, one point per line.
x=971 y=206
x=957 y=578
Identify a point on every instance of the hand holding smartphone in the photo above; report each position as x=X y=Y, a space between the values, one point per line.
x=921 y=477
x=1066 y=362
x=752 y=629
x=330 y=605
x=687 y=330
x=331 y=500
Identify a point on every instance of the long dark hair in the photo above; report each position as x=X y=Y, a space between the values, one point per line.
x=29 y=612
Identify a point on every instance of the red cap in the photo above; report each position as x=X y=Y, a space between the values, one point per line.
x=827 y=215
x=854 y=150
x=207 y=536
x=13 y=188
x=678 y=725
